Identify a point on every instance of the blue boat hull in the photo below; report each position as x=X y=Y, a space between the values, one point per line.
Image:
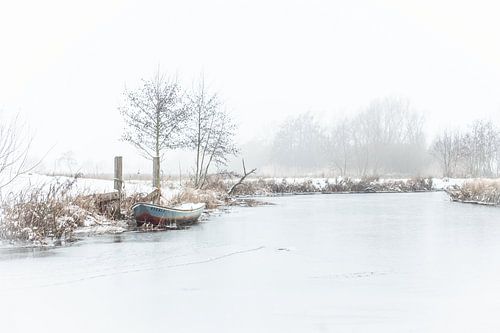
x=161 y=216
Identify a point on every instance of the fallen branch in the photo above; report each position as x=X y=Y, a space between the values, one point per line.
x=245 y=175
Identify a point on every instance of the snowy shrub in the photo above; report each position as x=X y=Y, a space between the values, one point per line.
x=44 y=213
x=477 y=191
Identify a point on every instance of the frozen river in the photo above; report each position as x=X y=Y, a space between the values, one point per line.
x=319 y=263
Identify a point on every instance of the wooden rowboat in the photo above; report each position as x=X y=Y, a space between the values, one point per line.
x=167 y=216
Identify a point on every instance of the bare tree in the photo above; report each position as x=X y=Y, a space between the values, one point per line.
x=14 y=151
x=388 y=138
x=154 y=116
x=480 y=149
x=339 y=144
x=211 y=132
x=447 y=148
x=472 y=153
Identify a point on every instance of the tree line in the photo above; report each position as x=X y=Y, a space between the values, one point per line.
x=386 y=138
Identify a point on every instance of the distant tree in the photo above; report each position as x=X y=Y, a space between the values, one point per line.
x=68 y=161
x=388 y=138
x=211 y=132
x=298 y=144
x=447 y=148
x=339 y=146
x=154 y=116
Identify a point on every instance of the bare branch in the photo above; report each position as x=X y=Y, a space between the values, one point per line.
x=242 y=179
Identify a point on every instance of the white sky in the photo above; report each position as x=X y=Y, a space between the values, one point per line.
x=64 y=65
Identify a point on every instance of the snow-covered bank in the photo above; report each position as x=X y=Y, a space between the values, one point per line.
x=84 y=186
x=44 y=210
x=273 y=186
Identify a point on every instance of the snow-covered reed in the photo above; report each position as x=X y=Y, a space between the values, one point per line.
x=338 y=185
x=480 y=191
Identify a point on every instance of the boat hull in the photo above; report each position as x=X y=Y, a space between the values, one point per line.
x=165 y=216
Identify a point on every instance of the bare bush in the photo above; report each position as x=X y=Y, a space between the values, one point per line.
x=50 y=212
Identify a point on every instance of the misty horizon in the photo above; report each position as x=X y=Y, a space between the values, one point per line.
x=268 y=61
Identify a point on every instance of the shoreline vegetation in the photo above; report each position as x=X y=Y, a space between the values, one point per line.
x=266 y=187
x=481 y=192
x=58 y=213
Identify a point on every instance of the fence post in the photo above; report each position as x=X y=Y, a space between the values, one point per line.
x=118 y=177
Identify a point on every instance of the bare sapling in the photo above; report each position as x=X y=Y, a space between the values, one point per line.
x=211 y=133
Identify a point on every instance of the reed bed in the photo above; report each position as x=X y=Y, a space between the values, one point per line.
x=344 y=185
x=480 y=191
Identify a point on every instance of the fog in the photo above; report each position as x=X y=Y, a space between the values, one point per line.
x=65 y=68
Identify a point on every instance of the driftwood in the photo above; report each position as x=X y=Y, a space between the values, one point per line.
x=245 y=175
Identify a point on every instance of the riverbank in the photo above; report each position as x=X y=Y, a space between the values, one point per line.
x=46 y=211
x=273 y=186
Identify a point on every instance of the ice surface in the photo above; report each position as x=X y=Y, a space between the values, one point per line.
x=324 y=263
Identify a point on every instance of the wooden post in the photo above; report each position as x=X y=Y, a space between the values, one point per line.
x=118 y=178
x=156 y=172
x=118 y=185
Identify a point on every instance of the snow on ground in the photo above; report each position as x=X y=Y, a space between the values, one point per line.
x=92 y=186
x=443 y=183
x=83 y=185
x=106 y=227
